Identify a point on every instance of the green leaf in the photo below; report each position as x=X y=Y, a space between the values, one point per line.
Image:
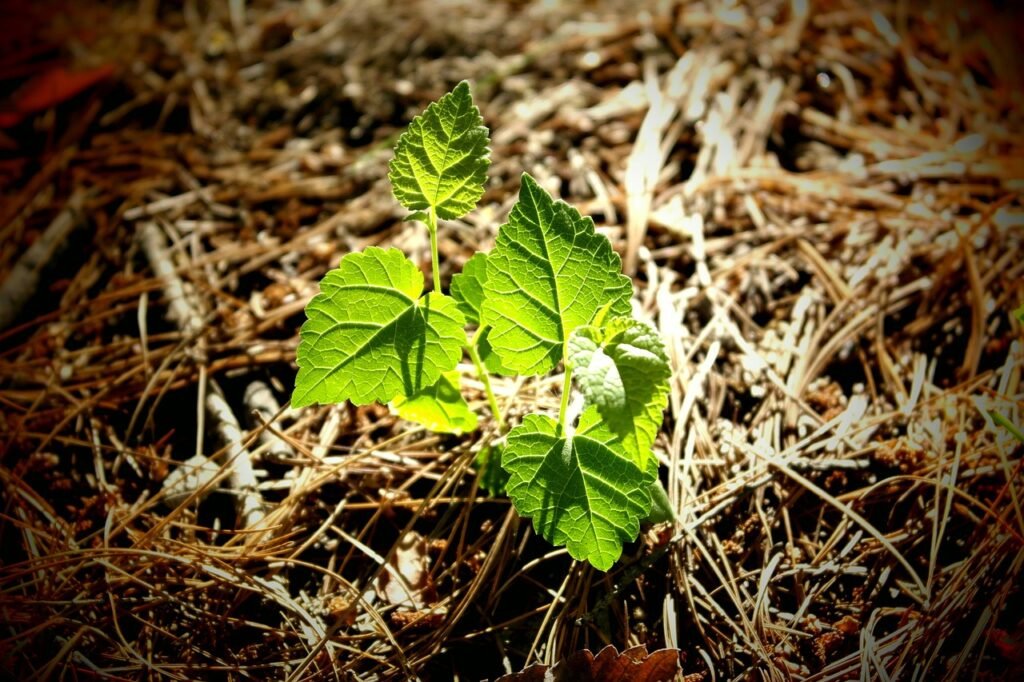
x=468 y=287
x=441 y=407
x=490 y=359
x=468 y=290
x=593 y=425
x=441 y=160
x=1019 y=312
x=580 y=491
x=622 y=369
x=417 y=216
x=370 y=336
x=548 y=274
x=493 y=478
x=661 y=505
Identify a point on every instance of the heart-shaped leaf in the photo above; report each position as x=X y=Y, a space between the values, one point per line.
x=370 y=336
x=441 y=160
x=549 y=273
x=581 y=490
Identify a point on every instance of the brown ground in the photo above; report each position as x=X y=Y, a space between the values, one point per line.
x=821 y=205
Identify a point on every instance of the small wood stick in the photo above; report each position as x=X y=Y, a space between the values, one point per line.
x=182 y=311
x=260 y=400
x=242 y=477
x=23 y=281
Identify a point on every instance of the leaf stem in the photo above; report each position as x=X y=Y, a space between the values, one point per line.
x=485 y=378
x=432 y=229
x=566 y=392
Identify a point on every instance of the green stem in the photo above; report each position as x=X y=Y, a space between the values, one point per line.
x=435 y=267
x=485 y=378
x=1000 y=419
x=566 y=392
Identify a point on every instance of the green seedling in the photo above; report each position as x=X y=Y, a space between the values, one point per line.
x=549 y=295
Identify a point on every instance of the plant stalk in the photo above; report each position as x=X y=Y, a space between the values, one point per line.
x=435 y=267
x=1001 y=419
x=566 y=392
x=485 y=378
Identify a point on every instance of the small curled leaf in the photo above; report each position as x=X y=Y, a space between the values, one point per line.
x=440 y=407
x=468 y=287
x=622 y=369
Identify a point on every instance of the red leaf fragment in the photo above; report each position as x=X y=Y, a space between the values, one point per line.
x=632 y=665
x=1009 y=644
x=48 y=89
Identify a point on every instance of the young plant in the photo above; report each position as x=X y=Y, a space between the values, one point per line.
x=550 y=294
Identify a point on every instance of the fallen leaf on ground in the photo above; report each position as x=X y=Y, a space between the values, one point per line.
x=48 y=89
